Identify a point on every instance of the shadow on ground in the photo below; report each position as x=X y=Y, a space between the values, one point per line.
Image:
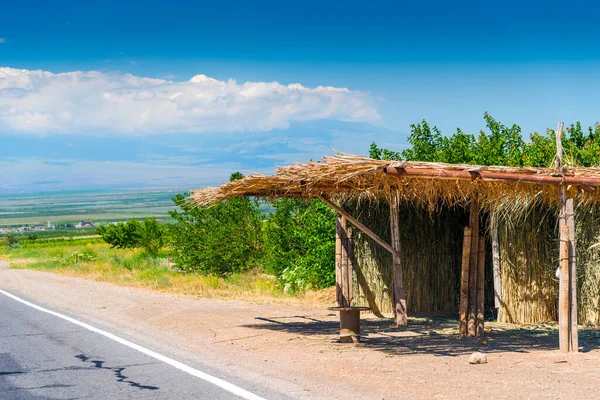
x=432 y=335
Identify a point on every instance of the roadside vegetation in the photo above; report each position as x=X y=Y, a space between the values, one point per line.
x=137 y=268
x=236 y=248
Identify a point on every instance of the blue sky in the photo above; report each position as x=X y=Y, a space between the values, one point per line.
x=365 y=71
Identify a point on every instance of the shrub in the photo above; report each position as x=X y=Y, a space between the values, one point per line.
x=11 y=240
x=300 y=244
x=221 y=240
x=148 y=234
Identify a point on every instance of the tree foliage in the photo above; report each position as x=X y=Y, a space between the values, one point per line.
x=11 y=240
x=222 y=239
x=499 y=144
x=300 y=244
x=147 y=234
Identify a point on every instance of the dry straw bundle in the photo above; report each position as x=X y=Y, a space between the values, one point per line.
x=346 y=176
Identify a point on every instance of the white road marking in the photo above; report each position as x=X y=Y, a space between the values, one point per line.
x=230 y=387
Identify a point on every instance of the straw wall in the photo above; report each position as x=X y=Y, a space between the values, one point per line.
x=431 y=257
x=528 y=260
x=588 y=265
x=431 y=254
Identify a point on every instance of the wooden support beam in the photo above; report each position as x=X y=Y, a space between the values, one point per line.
x=360 y=226
x=399 y=292
x=338 y=260
x=563 y=294
x=567 y=291
x=464 y=283
x=349 y=266
x=473 y=267
x=481 y=286
x=573 y=334
x=345 y=302
x=496 y=266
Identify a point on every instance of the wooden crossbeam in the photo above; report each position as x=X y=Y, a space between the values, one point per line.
x=360 y=226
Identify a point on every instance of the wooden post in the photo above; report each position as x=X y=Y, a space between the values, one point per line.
x=344 y=263
x=563 y=294
x=496 y=266
x=573 y=334
x=473 y=267
x=481 y=286
x=567 y=290
x=464 y=283
x=399 y=293
x=349 y=265
x=338 y=261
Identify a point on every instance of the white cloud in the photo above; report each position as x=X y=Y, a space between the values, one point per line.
x=38 y=102
x=2 y=40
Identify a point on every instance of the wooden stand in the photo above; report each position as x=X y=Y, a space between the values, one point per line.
x=349 y=323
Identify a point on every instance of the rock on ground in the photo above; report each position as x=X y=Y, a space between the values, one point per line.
x=478 y=358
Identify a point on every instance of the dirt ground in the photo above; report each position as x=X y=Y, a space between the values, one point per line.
x=294 y=349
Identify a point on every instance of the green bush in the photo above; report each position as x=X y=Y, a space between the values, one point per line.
x=148 y=234
x=11 y=240
x=221 y=240
x=300 y=244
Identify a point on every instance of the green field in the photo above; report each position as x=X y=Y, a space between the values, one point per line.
x=74 y=206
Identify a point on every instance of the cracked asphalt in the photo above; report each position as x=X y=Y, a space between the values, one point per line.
x=45 y=357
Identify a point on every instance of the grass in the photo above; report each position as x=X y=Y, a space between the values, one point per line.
x=134 y=268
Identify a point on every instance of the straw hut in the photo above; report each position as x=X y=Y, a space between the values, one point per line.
x=466 y=209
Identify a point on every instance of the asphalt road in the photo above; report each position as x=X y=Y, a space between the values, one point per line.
x=45 y=357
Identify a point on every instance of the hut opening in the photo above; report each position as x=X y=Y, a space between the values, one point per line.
x=417 y=236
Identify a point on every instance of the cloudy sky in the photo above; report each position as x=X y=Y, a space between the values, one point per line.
x=125 y=93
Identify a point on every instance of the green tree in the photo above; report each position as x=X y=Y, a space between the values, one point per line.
x=378 y=153
x=148 y=234
x=426 y=143
x=300 y=244
x=501 y=146
x=221 y=239
x=11 y=240
x=457 y=149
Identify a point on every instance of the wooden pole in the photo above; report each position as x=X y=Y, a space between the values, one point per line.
x=474 y=224
x=496 y=266
x=563 y=294
x=464 y=283
x=338 y=261
x=344 y=263
x=573 y=334
x=399 y=293
x=349 y=265
x=567 y=290
x=481 y=286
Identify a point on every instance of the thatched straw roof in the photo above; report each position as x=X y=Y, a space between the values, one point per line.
x=345 y=175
